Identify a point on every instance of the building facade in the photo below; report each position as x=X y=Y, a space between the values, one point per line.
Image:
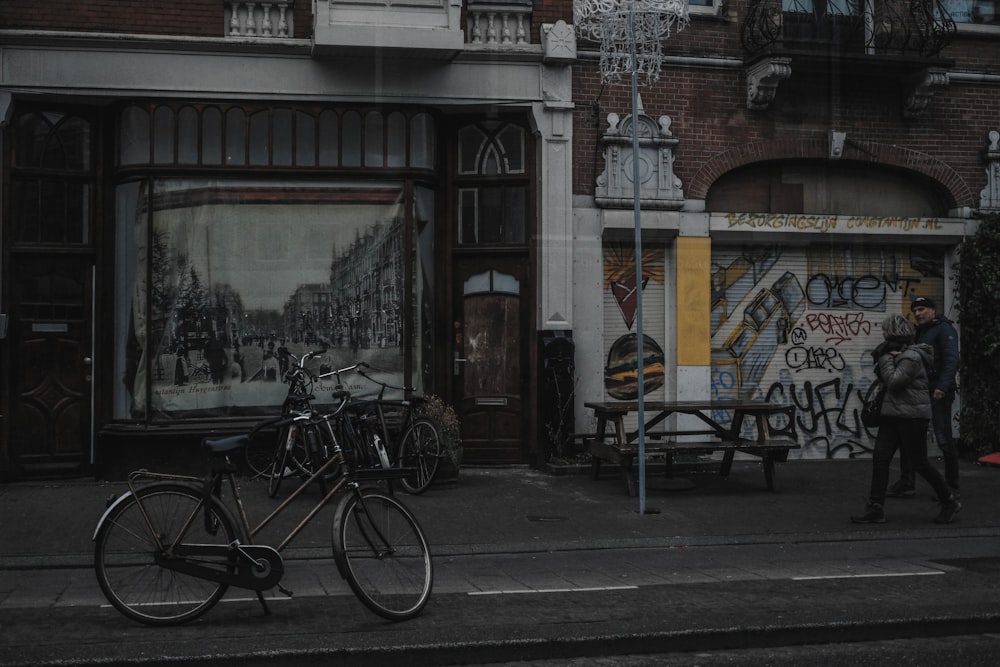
x=443 y=189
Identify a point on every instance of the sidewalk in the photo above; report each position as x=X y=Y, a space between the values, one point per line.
x=508 y=510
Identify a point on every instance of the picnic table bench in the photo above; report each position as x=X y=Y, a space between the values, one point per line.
x=619 y=446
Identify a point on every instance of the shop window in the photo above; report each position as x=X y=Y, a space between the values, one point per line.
x=973 y=12
x=283 y=138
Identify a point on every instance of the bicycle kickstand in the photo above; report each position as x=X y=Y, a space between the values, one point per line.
x=263 y=603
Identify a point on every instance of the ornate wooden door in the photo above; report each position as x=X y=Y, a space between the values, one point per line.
x=489 y=359
x=51 y=365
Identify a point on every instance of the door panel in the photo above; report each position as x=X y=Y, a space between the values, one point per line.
x=51 y=366
x=489 y=363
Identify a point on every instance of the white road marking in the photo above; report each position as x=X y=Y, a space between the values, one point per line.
x=922 y=573
x=520 y=591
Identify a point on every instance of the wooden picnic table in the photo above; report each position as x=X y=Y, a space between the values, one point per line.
x=619 y=446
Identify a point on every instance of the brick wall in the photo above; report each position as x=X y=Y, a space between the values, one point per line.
x=708 y=108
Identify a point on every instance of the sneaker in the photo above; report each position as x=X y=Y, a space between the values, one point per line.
x=949 y=509
x=873 y=514
x=901 y=490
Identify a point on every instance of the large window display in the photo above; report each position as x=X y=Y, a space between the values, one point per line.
x=223 y=283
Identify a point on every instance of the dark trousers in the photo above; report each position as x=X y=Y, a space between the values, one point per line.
x=909 y=436
x=941 y=421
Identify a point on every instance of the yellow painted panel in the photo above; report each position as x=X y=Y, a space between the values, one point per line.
x=694 y=298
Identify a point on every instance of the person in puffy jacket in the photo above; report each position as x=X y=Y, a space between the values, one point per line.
x=902 y=366
x=938 y=332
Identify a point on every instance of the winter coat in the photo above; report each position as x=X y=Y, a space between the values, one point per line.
x=905 y=377
x=941 y=335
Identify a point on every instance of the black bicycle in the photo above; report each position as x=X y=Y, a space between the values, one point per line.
x=166 y=552
x=397 y=426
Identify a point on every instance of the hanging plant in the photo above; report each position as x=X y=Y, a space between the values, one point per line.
x=979 y=296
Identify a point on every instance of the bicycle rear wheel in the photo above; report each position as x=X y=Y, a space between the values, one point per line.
x=381 y=551
x=126 y=553
x=420 y=449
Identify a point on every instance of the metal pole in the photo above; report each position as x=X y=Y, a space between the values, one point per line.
x=640 y=357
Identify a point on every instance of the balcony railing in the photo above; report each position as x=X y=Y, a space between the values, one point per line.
x=903 y=28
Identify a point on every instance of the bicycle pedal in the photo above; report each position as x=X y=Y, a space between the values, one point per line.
x=285 y=591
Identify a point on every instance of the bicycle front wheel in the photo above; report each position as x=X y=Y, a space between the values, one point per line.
x=126 y=554
x=381 y=551
x=420 y=449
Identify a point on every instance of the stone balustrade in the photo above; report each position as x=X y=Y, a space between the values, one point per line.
x=498 y=24
x=261 y=20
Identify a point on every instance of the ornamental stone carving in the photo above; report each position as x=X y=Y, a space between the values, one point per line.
x=659 y=188
x=763 y=79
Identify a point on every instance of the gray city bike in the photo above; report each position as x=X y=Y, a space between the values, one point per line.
x=166 y=551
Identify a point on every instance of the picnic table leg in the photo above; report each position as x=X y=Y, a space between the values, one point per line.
x=768 y=463
x=631 y=482
x=602 y=426
x=727 y=462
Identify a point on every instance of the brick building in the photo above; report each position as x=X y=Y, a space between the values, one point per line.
x=179 y=174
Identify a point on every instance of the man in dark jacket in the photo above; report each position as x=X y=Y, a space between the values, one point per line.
x=939 y=333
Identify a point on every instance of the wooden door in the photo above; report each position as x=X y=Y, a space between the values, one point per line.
x=490 y=360
x=51 y=365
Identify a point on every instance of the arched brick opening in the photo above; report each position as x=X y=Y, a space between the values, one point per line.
x=958 y=192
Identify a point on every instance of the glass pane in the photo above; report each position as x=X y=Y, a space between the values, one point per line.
x=282 y=137
x=238 y=272
x=305 y=140
x=396 y=153
x=329 y=140
x=163 y=135
x=490 y=215
x=259 y=140
x=134 y=138
x=503 y=282
x=512 y=140
x=211 y=136
x=373 y=140
x=24 y=210
x=72 y=150
x=423 y=291
x=236 y=142
x=352 y=140
x=477 y=284
x=187 y=136
x=468 y=213
x=514 y=210
x=30 y=136
x=470 y=141
x=422 y=141
x=129 y=229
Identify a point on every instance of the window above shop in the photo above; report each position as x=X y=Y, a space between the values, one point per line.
x=242 y=136
x=422 y=28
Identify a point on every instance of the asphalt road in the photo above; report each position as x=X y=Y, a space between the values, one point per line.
x=578 y=604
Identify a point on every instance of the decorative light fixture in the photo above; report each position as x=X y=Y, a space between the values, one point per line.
x=630 y=34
